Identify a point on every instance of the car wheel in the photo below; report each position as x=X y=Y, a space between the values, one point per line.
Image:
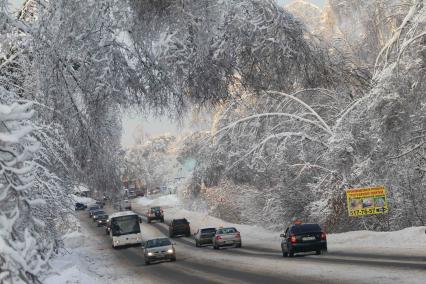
x=215 y=247
x=162 y=220
x=187 y=234
x=149 y=221
x=291 y=254
x=197 y=244
x=147 y=262
x=238 y=245
x=173 y=259
x=285 y=254
x=318 y=252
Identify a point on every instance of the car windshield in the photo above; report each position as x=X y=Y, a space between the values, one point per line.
x=100 y=212
x=208 y=230
x=125 y=225
x=158 y=243
x=155 y=209
x=305 y=228
x=227 y=231
x=103 y=217
x=180 y=221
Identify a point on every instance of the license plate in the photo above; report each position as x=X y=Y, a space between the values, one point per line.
x=308 y=239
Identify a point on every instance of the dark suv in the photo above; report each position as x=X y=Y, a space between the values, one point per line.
x=155 y=213
x=80 y=206
x=303 y=238
x=179 y=227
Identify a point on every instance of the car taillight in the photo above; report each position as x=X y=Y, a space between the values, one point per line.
x=218 y=237
x=238 y=235
x=323 y=236
x=293 y=239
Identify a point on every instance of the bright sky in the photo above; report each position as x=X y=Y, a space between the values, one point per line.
x=16 y=3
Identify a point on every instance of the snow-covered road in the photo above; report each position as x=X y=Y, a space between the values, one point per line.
x=259 y=261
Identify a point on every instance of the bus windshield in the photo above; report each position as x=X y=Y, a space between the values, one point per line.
x=125 y=225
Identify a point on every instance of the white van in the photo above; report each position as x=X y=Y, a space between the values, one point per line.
x=125 y=229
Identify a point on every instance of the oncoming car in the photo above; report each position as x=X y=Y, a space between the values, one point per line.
x=155 y=213
x=159 y=249
x=303 y=238
x=101 y=220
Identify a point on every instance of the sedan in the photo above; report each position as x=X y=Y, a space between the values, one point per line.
x=159 y=249
x=96 y=214
x=303 y=238
x=101 y=220
x=93 y=208
x=204 y=236
x=226 y=237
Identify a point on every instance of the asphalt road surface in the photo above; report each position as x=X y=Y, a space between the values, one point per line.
x=249 y=264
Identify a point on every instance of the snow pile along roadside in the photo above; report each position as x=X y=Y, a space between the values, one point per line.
x=85 y=200
x=67 y=267
x=409 y=239
x=169 y=200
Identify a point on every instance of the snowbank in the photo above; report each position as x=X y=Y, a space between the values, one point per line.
x=170 y=200
x=84 y=200
x=74 y=240
x=68 y=273
x=68 y=268
x=413 y=238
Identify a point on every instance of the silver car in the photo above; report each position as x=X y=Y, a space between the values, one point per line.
x=226 y=237
x=204 y=236
x=159 y=249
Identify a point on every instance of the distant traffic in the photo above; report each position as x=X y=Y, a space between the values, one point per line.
x=123 y=227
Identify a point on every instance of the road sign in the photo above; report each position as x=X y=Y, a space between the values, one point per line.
x=366 y=201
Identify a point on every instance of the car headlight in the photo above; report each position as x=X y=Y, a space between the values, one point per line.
x=150 y=254
x=170 y=251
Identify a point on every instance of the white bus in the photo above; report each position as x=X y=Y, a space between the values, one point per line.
x=125 y=229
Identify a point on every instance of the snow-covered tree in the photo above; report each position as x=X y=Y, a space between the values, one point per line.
x=153 y=162
x=23 y=250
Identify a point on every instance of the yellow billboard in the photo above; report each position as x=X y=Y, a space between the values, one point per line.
x=366 y=201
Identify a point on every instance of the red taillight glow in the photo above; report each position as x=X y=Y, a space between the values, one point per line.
x=218 y=237
x=238 y=235
x=323 y=236
x=293 y=239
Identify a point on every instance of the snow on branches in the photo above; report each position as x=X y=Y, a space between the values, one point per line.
x=22 y=254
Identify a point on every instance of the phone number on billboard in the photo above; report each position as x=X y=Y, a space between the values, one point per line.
x=367 y=211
